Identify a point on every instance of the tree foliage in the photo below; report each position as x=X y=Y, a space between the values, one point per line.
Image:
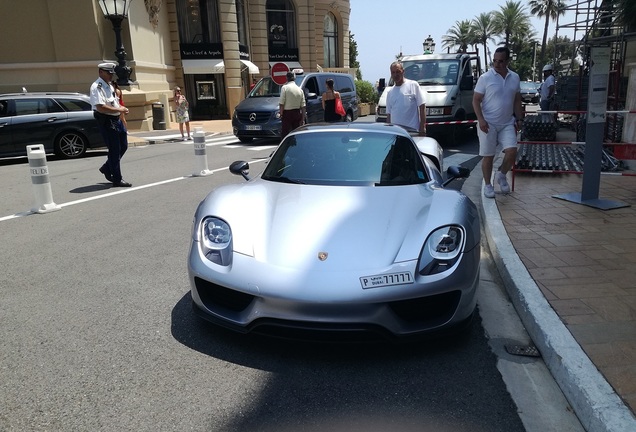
x=366 y=92
x=461 y=35
x=511 y=20
x=550 y=10
x=484 y=31
x=353 y=56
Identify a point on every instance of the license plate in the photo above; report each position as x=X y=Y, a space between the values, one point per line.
x=386 y=280
x=253 y=127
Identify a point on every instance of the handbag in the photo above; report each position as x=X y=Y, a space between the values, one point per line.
x=339 y=108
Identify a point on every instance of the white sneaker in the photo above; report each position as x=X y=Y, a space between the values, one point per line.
x=503 y=182
x=489 y=191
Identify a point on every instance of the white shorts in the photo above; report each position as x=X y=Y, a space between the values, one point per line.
x=504 y=135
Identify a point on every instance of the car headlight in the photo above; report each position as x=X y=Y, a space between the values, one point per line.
x=277 y=115
x=216 y=241
x=441 y=251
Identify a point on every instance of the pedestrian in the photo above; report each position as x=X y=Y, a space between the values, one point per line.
x=405 y=101
x=181 y=112
x=120 y=97
x=546 y=92
x=497 y=104
x=108 y=111
x=329 y=98
x=292 y=106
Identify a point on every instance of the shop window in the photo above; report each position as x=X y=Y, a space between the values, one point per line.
x=281 y=25
x=198 y=21
x=330 y=41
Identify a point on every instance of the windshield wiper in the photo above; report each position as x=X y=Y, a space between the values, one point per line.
x=283 y=180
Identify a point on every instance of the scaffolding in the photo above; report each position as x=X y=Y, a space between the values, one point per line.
x=595 y=24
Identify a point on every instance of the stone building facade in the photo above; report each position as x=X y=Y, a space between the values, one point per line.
x=212 y=49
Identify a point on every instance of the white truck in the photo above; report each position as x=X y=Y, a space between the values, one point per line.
x=449 y=81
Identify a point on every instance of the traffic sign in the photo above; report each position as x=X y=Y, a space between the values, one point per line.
x=279 y=73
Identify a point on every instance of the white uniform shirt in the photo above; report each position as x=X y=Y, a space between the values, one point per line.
x=403 y=104
x=498 y=105
x=102 y=93
x=545 y=87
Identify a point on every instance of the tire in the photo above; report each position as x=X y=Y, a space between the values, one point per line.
x=245 y=139
x=70 y=145
x=349 y=117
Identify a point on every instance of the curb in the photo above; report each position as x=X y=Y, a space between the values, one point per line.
x=597 y=406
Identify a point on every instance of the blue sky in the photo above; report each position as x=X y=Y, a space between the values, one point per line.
x=383 y=28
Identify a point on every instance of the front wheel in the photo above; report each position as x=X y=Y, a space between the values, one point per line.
x=71 y=145
x=348 y=117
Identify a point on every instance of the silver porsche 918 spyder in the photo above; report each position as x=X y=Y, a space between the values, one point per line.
x=348 y=229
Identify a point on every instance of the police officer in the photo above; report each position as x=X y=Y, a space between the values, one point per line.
x=107 y=111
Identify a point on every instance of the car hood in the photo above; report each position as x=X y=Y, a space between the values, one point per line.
x=357 y=227
x=264 y=103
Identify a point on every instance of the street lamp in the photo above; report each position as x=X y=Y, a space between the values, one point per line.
x=116 y=11
x=429 y=45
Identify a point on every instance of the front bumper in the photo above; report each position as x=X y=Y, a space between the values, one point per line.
x=253 y=297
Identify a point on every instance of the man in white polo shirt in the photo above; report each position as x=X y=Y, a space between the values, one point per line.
x=497 y=104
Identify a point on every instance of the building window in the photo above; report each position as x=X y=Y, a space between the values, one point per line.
x=281 y=25
x=330 y=40
x=198 y=21
x=241 y=22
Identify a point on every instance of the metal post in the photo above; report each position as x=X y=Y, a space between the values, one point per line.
x=122 y=70
x=596 y=117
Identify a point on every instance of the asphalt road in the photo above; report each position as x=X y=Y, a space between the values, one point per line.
x=97 y=333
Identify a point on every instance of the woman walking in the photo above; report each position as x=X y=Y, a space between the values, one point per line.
x=329 y=103
x=181 y=105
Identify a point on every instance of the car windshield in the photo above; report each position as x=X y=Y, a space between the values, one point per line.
x=528 y=86
x=347 y=158
x=266 y=87
x=432 y=71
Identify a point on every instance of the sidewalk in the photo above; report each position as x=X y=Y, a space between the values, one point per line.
x=210 y=127
x=570 y=270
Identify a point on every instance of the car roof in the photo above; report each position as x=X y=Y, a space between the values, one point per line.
x=41 y=94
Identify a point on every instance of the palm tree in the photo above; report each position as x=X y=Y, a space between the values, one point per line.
x=484 y=29
x=511 y=20
x=550 y=9
x=460 y=35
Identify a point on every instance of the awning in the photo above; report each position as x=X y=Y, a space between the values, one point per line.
x=212 y=66
x=251 y=66
x=203 y=66
x=291 y=65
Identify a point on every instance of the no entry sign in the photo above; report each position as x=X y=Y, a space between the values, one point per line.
x=279 y=73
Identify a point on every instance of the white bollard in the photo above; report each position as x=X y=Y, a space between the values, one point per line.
x=40 y=180
x=200 y=155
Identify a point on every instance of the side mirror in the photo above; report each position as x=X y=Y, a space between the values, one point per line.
x=241 y=168
x=456 y=172
x=311 y=96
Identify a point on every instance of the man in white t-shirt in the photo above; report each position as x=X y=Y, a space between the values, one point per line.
x=497 y=104
x=405 y=102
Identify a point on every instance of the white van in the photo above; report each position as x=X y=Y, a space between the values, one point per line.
x=449 y=81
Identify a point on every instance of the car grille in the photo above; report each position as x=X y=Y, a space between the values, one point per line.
x=213 y=296
x=428 y=311
x=260 y=116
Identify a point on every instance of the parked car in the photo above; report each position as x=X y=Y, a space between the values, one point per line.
x=258 y=116
x=349 y=228
x=62 y=122
x=530 y=92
